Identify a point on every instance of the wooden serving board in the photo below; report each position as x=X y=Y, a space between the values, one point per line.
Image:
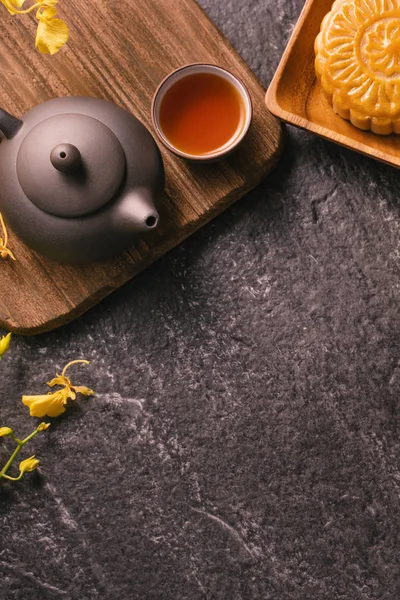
x=120 y=51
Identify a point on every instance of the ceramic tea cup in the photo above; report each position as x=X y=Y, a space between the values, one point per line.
x=201 y=112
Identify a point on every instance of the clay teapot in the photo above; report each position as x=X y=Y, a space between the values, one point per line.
x=80 y=178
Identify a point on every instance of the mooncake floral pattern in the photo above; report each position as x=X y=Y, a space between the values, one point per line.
x=358 y=62
x=382 y=48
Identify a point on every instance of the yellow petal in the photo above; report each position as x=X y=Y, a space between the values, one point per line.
x=70 y=392
x=6 y=252
x=51 y=34
x=48 y=404
x=5 y=431
x=82 y=389
x=29 y=464
x=59 y=380
x=12 y=5
x=5 y=344
x=47 y=11
x=62 y=380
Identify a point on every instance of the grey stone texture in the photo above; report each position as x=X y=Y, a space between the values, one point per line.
x=244 y=441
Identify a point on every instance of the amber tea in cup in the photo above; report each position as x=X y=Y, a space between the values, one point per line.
x=201 y=112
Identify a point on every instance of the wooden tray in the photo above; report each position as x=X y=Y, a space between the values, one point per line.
x=296 y=96
x=120 y=51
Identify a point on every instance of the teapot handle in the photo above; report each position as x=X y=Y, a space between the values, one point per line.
x=9 y=125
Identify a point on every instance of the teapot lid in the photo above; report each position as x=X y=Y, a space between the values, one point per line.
x=70 y=165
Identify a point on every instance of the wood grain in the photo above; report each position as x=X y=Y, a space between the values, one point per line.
x=295 y=95
x=120 y=51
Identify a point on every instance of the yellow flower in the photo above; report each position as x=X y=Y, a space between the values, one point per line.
x=29 y=464
x=53 y=403
x=52 y=33
x=4 y=251
x=5 y=431
x=42 y=426
x=4 y=344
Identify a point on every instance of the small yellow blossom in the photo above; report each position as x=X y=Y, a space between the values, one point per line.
x=4 y=344
x=4 y=251
x=53 y=403
x=52 y=33
x=42 y=426
x=5 y=431
x=29 y=464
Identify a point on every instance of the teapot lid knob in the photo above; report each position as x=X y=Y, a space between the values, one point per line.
x=66 y=158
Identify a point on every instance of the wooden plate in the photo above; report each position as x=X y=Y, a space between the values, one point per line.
x=296 y=96
x=120 y=51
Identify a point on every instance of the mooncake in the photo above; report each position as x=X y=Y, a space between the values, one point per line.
x=358 y=62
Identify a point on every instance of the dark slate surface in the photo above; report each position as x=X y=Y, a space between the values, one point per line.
x=244 y=443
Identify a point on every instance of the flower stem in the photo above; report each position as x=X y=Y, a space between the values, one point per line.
x=5 y=232
x=21 y=444
x=16 y=440
x=10 y=460
x=13 y=478
x=73 y=362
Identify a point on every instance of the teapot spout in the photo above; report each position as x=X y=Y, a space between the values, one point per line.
x=9 y=125
x=136 y=212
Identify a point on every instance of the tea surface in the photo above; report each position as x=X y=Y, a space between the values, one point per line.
x=202 y=113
